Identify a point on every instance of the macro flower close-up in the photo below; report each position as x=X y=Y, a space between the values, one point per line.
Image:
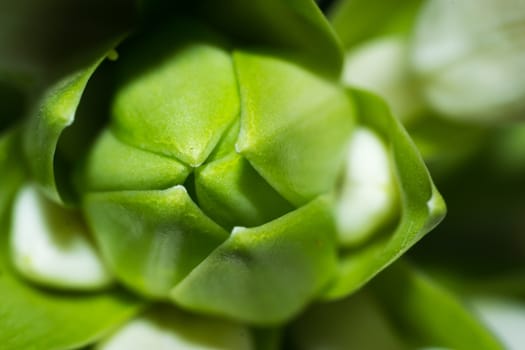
x=259 y=175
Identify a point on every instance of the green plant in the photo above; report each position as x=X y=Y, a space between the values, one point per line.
x=212 y=162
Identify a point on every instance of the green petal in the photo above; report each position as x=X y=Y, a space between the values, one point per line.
x=53 y=113
x=422 y=207
x=38 y=319
x=294 y=125
x=151 y=239
x=231 y=192
x=178 y=93
x=428 y=314
x=289 y=25
x=265 y=274
x=114 y=165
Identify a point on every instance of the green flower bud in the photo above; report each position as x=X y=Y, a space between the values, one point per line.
x=204 y=210
x=230 y=179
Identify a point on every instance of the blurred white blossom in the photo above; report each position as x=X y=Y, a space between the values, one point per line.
x=470 y=57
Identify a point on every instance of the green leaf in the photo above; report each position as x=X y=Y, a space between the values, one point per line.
x=151 y=239
x=266 y=274
x=358 y=20
x=291 y=25
x=294 y=125
x=422 y=207
x=52 y=114
x=400 y=309
x=33 y=318
x=426 y=313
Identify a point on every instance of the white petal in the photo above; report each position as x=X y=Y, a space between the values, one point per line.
x=367 y=160
x=176 y=331
x=470 y=57
x=50 y=245
x=506 y=318
x=382 y=66
x=367 y=198
x=237 y=230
